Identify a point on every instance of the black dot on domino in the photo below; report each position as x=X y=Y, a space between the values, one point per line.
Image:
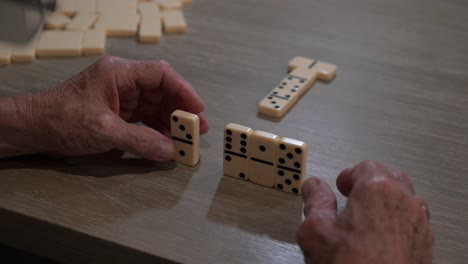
x=182 y=127
x=262 y=148
x=188 y=136
x=228 y=139
x=277 y=106
x=296 y=177
x=302 y=81
x=279 y=186
x=229 y=132
x=270 y=97
x=281 y=87
x=273 y=102
x=228 y=158
x=298 y=150
x=175 y=118
x=295 y=190
x=243 y=136
x=290 y=156
x=228 y=146
x=289 y=78
x=242 y=175
x=243 y=150
x=281 y=173
x=281 y=160
x=243 y=143
x=287 y=96
x=293 y=90
x=284 y=83
x=297 y=165
x=282 y=147
x=275 y=92
x=182 y=153
x=287 y=181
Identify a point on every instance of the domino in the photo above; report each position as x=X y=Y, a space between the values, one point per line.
x=291 y=160
x=59 y=43
x=24 y=53
x=150 y=30
x=170 y=4
x=115 y=26
x=174 y=21
x=56 y=21
x=303 y=74
x=185 y=133
x=148 y=9
x=236 y=154
x=5 y=54
x=94 y=42
x=86 y=6
x=81 y=22
x=262 y=160
x=66 y=7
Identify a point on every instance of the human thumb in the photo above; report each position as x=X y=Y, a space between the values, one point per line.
x=143 y=141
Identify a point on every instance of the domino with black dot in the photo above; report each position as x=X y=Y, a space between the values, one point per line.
x=262 y=158
x=185 y=133
x=303 y=74
x=291 y=163
x=236 y=151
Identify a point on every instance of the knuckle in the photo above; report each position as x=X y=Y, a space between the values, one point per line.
x=380 y=184
x=368 y=165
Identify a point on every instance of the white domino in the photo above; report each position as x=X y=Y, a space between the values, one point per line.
x=185 y=133
x=236 y=150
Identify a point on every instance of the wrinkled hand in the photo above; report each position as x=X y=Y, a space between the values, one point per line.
x=94 y=111
x=383 y=221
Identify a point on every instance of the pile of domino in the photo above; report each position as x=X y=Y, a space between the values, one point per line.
x=80 y=27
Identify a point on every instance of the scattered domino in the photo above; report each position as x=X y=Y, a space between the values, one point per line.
x=81 y=22
x=150 y=30
x=262 y=158
x=56 y=21
x=304 y=73
x=24 y=53
x=170 y=4
x=174 y=21
x=115 y=26
x=291 y=161
x=185 y=133
x=59 y=43
x=87 y=6
x=94 y=42
x=148 y=9
x=236 y=145
x=5 y=54
x=66 y=7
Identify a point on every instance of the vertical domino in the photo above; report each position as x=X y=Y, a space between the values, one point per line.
x=262 y=158
x=174 y=21
x=236 y=151
x=185 y=133
x=291 y=160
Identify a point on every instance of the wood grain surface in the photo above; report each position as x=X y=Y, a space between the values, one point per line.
x=400 y=97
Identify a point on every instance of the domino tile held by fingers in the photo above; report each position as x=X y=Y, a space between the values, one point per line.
x=262 y=160
x=291 y=162
x=59 y=43
x=185 y=133
x=94 y=42
x=81 y=22
x=236 y=151
x=56 y=21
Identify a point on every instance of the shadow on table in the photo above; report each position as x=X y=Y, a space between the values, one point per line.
x=112 y=163
x=257 y=209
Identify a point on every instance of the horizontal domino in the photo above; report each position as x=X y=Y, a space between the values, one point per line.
x=66 y=7
x=303 y=74
x=24 y=53
x=86 y=6
x=56 y=21
x=59 y=43
x=115 y=26
x=81 y=22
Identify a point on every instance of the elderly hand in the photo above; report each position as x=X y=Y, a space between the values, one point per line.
x=383 y=221
x=96 y=111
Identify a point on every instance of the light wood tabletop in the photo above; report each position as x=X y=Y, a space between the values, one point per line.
x=400 y=97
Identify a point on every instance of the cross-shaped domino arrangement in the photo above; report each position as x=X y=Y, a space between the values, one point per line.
x=185 y=133
x=303 y=73
x=264 y=158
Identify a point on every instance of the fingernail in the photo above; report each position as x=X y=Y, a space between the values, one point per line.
x=166 y=149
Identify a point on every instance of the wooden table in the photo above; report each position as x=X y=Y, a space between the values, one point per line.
x=400 y=97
